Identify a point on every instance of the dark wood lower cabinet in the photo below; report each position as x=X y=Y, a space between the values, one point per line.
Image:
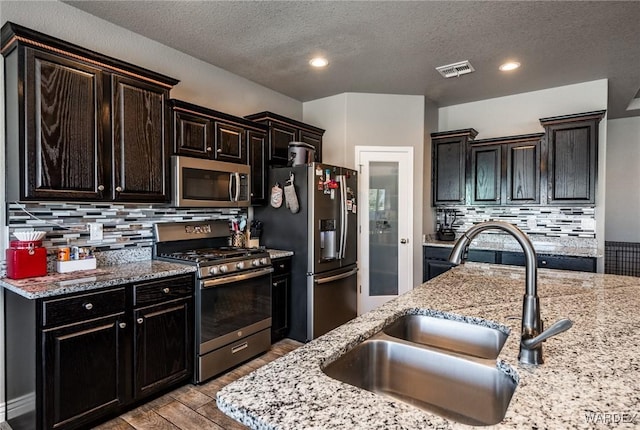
x=83 y=369
x=435 y=260
x=280 y=298
x=74 y=360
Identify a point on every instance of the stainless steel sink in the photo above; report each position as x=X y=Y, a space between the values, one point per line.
x=457 y=336
x=466 y=390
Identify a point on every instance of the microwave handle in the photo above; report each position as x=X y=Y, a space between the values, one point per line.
x=231 y=176
x=237 y=196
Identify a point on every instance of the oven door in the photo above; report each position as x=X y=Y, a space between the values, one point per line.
x=233 y=307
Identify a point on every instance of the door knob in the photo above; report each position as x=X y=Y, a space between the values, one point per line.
x=404 y=241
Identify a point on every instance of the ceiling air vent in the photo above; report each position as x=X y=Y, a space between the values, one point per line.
x=456 y=69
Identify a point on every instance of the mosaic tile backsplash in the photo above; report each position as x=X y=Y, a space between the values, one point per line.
x=125 y=226
x=550 y=221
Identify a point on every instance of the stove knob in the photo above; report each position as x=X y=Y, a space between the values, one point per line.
x=255 y=262
x=264 y=260
x=214 y=270
x=240 y=265
x=223 y=269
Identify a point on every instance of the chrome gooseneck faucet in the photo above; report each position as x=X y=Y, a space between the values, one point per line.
x=532 y=327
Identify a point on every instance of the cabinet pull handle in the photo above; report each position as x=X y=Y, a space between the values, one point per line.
x=122 y=325
x=100 y=187
x=119 y=189
x=88 y=306
x=140 y=320
x=166 y=290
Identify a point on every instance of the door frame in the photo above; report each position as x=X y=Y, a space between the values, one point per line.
x=405 y=230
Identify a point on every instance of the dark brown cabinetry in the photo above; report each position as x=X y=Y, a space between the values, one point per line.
x=80 y=125
x=206 y=133
x=98 y=352
x=283 y=130
x=280 y=298
x=505 y=170
x=572 y=157
x=449 y=153
x=435 y=260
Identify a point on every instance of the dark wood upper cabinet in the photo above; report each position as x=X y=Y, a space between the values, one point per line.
x=140 y=141
x=283 y=130
x=231 y=143
x=572 y=157
x=505 y=170
x=257 y=141
x=192 y=134
x=449 y=153
x=81 y=125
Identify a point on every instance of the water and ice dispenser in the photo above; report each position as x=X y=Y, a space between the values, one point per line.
x=328 y=239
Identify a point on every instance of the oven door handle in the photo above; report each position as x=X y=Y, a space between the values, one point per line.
x=209 y=283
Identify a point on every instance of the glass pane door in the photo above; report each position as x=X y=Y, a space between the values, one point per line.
x=383 y=228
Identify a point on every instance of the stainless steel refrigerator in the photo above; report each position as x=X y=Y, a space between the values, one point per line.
x=323 y=237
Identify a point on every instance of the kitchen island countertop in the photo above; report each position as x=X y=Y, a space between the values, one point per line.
x=589 y=376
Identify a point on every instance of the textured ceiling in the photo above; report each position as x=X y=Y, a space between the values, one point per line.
x=393 y=47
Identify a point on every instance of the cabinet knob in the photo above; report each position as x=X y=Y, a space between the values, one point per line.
x=122 y=325
x=219 y=150
x=100 y=187
x=88 y=306
x=209 y=149
x=140 y=320
x=166 y=290
x=543 y=262
x=119 y=189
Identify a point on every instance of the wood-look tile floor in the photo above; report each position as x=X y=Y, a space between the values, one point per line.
x=193 y=407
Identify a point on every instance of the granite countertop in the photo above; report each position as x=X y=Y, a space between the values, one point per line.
x=105 y=276
x=569 y=246
x=590 y=370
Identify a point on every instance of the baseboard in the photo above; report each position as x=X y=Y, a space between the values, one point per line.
x=19 y=406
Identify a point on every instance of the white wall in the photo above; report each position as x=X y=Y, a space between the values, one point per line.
x=353 y=119
x=200 y=83
x=623 y=180
x=519 y=114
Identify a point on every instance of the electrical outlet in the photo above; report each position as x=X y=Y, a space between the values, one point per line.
x=95 y=231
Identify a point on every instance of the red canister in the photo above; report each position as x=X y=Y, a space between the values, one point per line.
x=26 y=259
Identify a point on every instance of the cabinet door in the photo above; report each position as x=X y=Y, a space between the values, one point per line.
x=280 y=136
x=259 y=169
x=230 y=143
x=434 y=268
x=315 y=140
x=523 y=173
x=280 y=307
x=83 y=371
x=163 y=346
x=486 y=174
x=64 y=133
x=572 y=162
x=140 y=143
x=192 y=135
x=449 y=171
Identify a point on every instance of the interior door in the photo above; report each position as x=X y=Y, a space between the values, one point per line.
x=386 y=220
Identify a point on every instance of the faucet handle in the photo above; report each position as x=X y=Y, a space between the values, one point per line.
x=557 y=328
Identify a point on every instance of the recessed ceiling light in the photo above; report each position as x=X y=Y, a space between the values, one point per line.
x=511 y=65
x=319 y=62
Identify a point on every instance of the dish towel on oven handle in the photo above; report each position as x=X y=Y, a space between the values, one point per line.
x=290 y=195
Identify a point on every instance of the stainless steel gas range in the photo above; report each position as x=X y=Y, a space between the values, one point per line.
x=233 y=292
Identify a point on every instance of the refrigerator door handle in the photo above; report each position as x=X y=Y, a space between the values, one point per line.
x=336 y=277
x=343 y=217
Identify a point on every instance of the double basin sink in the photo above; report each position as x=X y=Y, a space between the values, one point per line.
x=444 y=366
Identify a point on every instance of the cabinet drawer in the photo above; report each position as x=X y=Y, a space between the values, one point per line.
x=83 y=307
x=281 y=266
x=155 y=291
x=437 y=252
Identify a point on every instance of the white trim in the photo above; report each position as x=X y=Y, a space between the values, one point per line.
x=20 y=405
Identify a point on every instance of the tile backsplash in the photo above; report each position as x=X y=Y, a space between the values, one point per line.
x=125 y=226
x=550 y=221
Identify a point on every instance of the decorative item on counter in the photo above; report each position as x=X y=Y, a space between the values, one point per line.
x=75 y=258
x=238 y=237
x=26 y=257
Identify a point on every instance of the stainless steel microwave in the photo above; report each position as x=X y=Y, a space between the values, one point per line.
x=208 y=183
